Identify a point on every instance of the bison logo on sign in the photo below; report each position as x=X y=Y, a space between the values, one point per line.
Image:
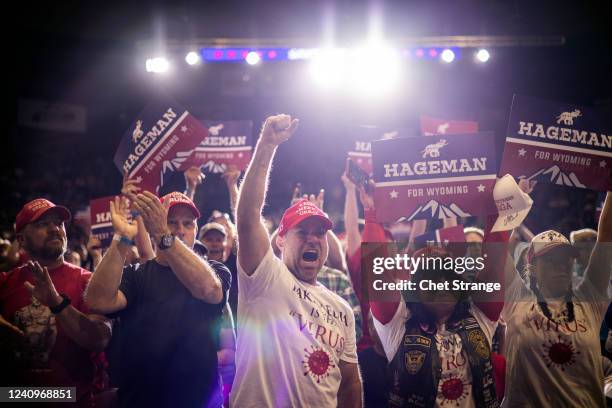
x=137 y=133
x=214 y=130
x=568 y=117
x=433 y=150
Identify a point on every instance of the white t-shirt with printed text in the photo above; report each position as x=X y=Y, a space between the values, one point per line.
x=553 y=364
x=292 y=337
x=455 y=386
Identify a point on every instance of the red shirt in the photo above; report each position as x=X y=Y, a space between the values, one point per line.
x=48 y=357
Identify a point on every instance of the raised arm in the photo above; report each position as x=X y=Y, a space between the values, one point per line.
x=519 y=234
x=597 y=272
x=103 y=292
x=253 y=240
x=193 y=178
x=230 y=176
x=192 y=271
x=374 y=232
x=497 y=262
x=335 y=258
x=351 y=220
x=142 y=239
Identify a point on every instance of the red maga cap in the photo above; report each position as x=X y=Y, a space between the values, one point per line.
x=36 y=209
x=177 y=198
x=300 y=211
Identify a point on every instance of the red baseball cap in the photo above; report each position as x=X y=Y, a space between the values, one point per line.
x=177 y=198
x=300 y=211
x=35 y=209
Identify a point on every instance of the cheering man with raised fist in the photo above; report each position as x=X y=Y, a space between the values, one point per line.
x=296 y=344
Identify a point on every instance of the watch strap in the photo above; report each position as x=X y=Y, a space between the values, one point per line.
x=123 y=240
x=64 y=304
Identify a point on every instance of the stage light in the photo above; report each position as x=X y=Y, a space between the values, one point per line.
x=483 y=55
x=192 y=58
x=157 y=65
x=252 y=58
x=375 y=69
x=328 y=67
x=302 y=53
x=447 y=56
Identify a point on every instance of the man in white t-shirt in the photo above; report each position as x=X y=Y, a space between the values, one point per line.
x=296 y=345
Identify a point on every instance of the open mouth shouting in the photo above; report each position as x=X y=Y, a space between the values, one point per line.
x=310 y=255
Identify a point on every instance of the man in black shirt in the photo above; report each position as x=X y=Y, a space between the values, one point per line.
x=214 y=237
x=169 y=307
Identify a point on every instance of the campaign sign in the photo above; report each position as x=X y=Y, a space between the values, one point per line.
x=101 y=225
x=434 y=178
x=360 y=149
x=558 y=143
x=228 y=143
x=436 y=126
x=158 y=142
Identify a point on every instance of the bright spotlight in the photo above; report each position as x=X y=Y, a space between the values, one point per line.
x=447 y=56
x=375 y=69
x=157 y=65
x=192 y=58
x=483 y=55
x=328 y=67
x=252 y=58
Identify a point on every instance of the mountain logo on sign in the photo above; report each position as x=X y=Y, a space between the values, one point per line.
x=568 y=117
x=435 y=210
x=433 y=150
x=213 y=167
x=554 y=175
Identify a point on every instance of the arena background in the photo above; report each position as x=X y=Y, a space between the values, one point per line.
x=90 y=54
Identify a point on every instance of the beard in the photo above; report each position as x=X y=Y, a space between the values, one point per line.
x=46 y=251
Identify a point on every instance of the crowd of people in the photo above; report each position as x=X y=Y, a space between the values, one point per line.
x=225 y=309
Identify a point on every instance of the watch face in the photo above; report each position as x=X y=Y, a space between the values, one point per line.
x=166 y=241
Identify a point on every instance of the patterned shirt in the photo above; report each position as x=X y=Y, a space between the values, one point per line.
x=339 y=283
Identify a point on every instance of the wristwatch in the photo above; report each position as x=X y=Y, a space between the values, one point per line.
x=64 y=304
x=166 y=241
